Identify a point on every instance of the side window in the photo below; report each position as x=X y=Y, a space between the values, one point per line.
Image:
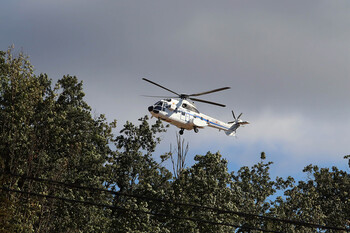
x=189 y=107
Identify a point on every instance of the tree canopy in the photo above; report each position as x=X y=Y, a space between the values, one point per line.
x=64 y=170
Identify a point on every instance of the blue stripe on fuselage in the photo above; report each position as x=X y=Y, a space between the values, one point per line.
x=207 y=120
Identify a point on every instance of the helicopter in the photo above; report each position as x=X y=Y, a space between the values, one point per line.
x=182 y=113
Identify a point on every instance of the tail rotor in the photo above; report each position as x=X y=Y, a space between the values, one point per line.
x=235 y=124
x=234 y=117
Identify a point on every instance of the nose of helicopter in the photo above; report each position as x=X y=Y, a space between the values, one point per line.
x=150 y=108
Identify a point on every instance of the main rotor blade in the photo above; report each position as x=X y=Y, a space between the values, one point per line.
x=157 y=96
x=160 y=86
x=239 y=122
x=208 y=92
x=207 y=102
x=239 y=115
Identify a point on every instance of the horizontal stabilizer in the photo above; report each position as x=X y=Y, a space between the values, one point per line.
x=243 y=123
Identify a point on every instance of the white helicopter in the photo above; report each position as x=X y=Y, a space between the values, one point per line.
x=184 y=114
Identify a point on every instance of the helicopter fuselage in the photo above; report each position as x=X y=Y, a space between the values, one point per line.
x=183 y=114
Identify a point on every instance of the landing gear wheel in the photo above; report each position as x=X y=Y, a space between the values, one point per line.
x=195 y=129
x=181 y=131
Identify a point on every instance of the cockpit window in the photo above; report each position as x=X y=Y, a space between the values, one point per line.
x=158 y=106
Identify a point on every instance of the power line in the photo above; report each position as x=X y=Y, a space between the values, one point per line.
x=218 y=210
x=137 y=211
x=242 y=214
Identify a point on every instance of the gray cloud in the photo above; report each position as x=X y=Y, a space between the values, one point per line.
x=287 y=62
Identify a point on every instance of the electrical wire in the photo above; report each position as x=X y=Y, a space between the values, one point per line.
x=218 y=210
x=136 y=211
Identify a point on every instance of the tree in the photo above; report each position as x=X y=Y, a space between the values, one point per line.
x=323 y=199
x=49 y=133
x=19 y=95
x=181 y=151
x=132 y=170
x=206 y=183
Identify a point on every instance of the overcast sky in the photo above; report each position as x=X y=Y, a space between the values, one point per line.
x=287 y=63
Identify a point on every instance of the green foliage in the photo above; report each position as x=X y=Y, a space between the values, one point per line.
x=49 y=133
x=206 y=183
x=323 y=199
x=132 y=169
